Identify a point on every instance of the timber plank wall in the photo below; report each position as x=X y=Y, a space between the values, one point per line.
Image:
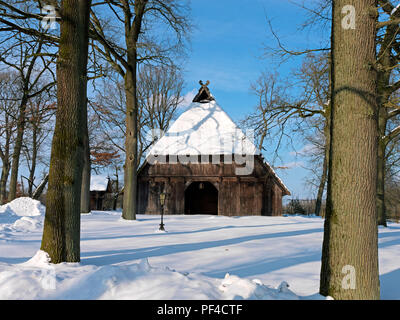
x=256 y=194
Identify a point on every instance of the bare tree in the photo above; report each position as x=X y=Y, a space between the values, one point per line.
x=40 y=112
x=386 y=65
x=314 y=77
x=350 y=243
x=135 y=20
x=159 y=96
x=8 y=116
x=26 y=17
x=278 y=117
x=273 y=110
x=388 y=59
x=25 y=58
x=61 y=233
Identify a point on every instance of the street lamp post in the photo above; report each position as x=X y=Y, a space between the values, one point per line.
x=162 y=202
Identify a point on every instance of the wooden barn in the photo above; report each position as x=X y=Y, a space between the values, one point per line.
x=100 y=188
x=206 y=165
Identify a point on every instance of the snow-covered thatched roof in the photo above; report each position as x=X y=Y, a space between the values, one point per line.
x=204 y=129
x=98 y=183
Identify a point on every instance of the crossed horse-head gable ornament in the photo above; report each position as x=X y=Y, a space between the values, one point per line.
x=204 y=95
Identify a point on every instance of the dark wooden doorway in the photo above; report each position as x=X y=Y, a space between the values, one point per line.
x=201 y=198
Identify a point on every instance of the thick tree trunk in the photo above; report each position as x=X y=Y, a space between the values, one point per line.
x=17 y=149
x=61 y=234
x=85 y=191
x=130 y=176
x=350 y=249
x=131 y=142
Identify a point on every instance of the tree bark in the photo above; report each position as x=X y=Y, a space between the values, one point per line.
x=321 y=187
x=325 y=164
x=387 y=64
x=17 y=148
x=38 y=192
x=116 y=189
x=131 y=142
x=130 y=176
x=381 y=167
x=5 y=154
x=350 y=246
x=85 y=190
x=3 y=181
x=61 y=234
x=34 y=159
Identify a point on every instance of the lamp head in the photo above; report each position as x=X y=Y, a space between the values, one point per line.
x=162 y=198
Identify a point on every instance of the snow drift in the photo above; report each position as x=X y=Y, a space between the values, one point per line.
x=39 y=279
x=22 y=214
x=199 y=257
x=23 y=207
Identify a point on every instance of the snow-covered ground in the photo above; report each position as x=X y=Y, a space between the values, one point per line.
x=199 y=257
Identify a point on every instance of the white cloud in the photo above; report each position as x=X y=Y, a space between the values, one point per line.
x=291 y=165
x=305 y=151
x=188 y=98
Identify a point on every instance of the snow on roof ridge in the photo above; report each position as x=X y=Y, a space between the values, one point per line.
x=277 y=177
x=204 y=128
x=177 y=139
x=98 y=183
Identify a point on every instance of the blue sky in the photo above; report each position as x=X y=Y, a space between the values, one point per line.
x=227 y=48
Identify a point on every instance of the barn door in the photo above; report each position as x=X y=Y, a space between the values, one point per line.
x=201 y=198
